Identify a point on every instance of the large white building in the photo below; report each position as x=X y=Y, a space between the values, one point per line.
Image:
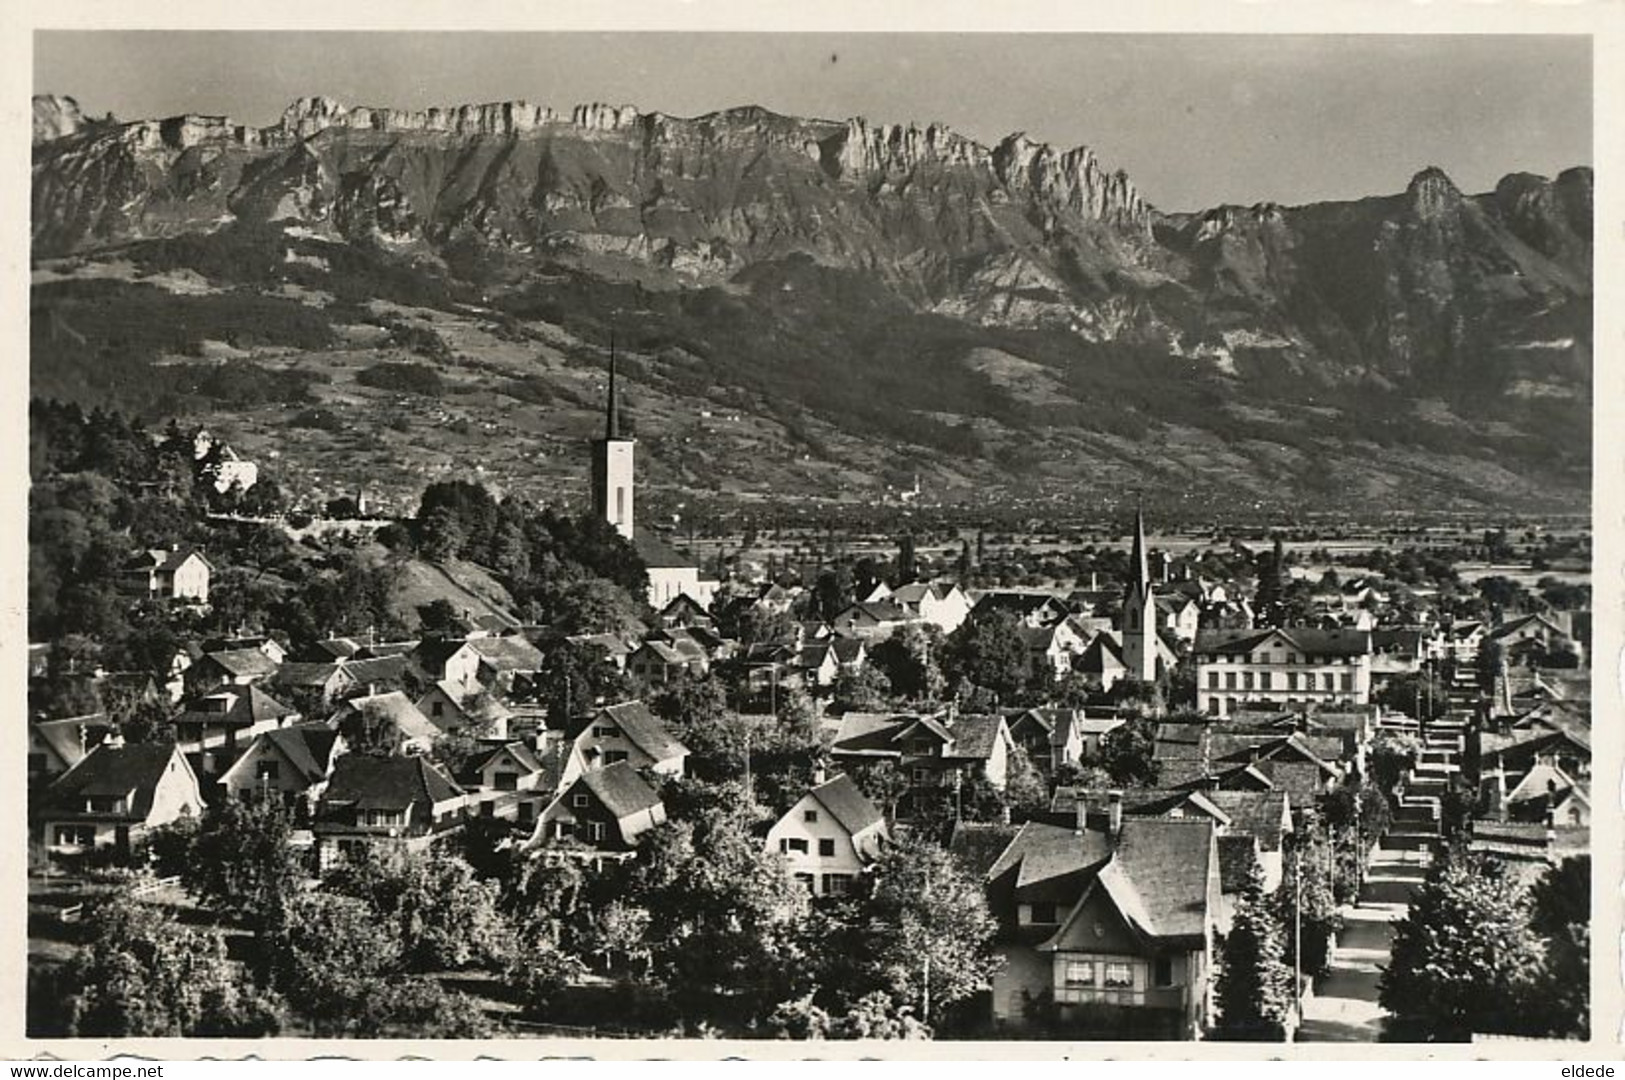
x=1285 y=667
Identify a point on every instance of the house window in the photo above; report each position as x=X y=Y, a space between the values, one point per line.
x=580 y=800
x=922 y=775
x=923 y=748
x=798 y=845
x=1213 y=680
x=809 y=816
x=604 y=731
x=1162 y=972
x=837 y=884
x=1119 y=975
x=104 y=804
x=1043 y=914
x=826 y=849
x=267 y=770
x=1230 y=680
x=437 y=710
x=804 y=880
x=612 y=756
x=597 y=831
x=1348 y=684
x=506 y=781
x=1080 y=973
x=75 y=836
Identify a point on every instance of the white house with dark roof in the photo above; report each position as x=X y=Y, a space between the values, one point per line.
x=935 y=751
x=291 y=764
x=55 y=746
x=628 y=733
x=230 y=667
x=603 y=811
x=829 y=836
x=1292 y=666
x=407 y=802
x=386 y=718
x=941 y=604
x=229 y=717
x=1111 y=926
x=172 y=574
x=118 y=794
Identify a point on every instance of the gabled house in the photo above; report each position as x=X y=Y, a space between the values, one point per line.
x=270 y=646
x=939 y=604
x=1109 y=930
x=326 y=680
x=600 y=812
x=936 y=752
x=872 y=621
x=229 y=717
x=478 y=715
x=614 y=647
x=516 y=783
x=177 y=574
x=387 y=720
x=1028 y=608
x=1530 y=639
x=292 y=765
x=1050 y=649
x=627 y=733
x=235 y=667
x=819 y=664
x=118 y=794
x=407 y=802
x=451 y=661
x=684 y=610
x=503 y=658
x=55 y=746
x=1179 y=615
x=829 y=836
x=662 y=658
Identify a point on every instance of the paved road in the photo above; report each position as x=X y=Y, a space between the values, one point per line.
x=1344 y=1008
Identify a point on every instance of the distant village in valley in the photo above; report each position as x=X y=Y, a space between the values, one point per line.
x=500 y=769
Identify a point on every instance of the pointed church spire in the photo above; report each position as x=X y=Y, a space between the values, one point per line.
x=1137 y=557
x=612 y=422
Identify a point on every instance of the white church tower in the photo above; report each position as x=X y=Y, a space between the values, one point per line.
x=612 y=469
x=1140 y=612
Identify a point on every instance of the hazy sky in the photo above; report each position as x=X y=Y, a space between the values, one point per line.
x=1195 y=119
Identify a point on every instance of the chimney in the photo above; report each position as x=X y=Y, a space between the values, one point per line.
x=1114 y=812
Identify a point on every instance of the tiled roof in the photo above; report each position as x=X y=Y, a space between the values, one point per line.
x=620 y=789
x=308 y=746
x=1256 y=813
x=376 y=669
x=244 y=663
x=388 y=783
x=976 y=735
x=1168 y=861
x=305 y=674
x=1312 y=641
x=644 y=730
x=507 y=653
x=1238 y=854
x=847 y=805
x=249 y=706
x=396 y=709
x=114 y=771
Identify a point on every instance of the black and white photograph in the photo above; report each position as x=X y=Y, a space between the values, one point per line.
x=1045 y=537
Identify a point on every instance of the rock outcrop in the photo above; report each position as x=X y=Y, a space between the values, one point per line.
x=56 y=117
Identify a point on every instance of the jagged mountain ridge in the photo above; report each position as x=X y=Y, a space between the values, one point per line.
x=1481 y=300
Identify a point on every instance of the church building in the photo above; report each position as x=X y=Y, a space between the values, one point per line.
x=613 y=491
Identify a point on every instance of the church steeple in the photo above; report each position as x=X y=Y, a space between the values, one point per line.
x=612 y=463
x=1139 y=610
x=612 y=419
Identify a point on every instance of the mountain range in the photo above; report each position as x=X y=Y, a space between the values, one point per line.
x=811 y=306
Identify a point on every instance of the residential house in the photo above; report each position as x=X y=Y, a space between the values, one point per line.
x=1050 y=649
x=270 y=646
x=292 y=765
x=940 y=604
x=406 y=802
x=829 y=836
x=628 y=733
x=55 y=746
x=874 y=621
x=1028 y=608
x=1532 y=640
x=602 y=811
x=117 y=795
x=325 y=681
x=229 y=717
x=938 y=752
x=1179 y=615
x=236 y=667
x=615 y=648
x=513 y=782
x=684 y=610
x=1281 y=667
x=1108 y=930
x=819 y=664
x=386 y=721
x=180 y=574
x=448 y=660
x=503 y=658
x=479 y=715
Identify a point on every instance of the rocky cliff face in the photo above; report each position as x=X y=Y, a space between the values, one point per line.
x=1474 y=299
x=55 y=117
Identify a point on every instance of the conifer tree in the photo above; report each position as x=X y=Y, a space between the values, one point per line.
x=1255 y=983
